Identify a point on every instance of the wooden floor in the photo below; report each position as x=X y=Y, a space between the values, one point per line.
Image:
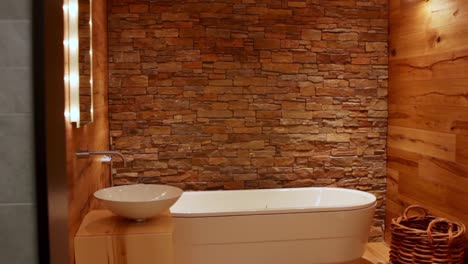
x=376 y=253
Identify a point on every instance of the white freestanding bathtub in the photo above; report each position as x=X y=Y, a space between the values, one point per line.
x=276 y=226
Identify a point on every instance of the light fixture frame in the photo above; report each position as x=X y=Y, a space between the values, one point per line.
x=72 y=63
x=91 y=84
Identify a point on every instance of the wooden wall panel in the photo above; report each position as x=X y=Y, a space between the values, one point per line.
x=85 y=176
x=434 y=144
x=428 y=108
x=445 y=119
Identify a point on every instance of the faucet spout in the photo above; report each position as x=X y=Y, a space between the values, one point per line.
x=103 y=153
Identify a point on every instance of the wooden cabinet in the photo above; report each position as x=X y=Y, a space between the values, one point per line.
x=104 y=238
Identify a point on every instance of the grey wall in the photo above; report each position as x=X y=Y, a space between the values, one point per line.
x=17 y=207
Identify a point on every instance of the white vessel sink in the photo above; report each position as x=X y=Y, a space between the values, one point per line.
x=139 y=201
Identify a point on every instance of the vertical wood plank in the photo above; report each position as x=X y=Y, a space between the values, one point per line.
x=85 y=176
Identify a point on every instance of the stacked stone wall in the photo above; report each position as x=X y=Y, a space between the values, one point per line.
x=242 y=94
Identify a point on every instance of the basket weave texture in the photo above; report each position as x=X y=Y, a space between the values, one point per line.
x=423 y=238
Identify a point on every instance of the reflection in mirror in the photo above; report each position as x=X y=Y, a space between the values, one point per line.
x=85 y=61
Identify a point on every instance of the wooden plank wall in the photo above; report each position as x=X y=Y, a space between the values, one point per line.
x=85 y=176
x=428 y=108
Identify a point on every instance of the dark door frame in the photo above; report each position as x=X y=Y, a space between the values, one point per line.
x=49 y=128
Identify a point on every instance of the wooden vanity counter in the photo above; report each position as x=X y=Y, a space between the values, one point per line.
x=104 y=238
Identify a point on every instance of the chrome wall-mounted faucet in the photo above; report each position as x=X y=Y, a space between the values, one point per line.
x=103 y=153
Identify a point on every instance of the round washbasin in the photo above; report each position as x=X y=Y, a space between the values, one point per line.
x=139 y=201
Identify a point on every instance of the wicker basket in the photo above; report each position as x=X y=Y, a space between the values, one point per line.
x=424 y=238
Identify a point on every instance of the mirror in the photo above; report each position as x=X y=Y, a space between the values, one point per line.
x=85 y=61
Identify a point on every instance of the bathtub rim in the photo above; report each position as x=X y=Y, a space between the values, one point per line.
x=274 y=211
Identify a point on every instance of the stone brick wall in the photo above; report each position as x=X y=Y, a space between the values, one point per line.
x=234 y=94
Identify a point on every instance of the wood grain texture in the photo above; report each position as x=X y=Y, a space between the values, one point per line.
x=434 y=144
x=106 y=238
x=104 y=222
x=428 y=108
x=85 y=176
x=376 y=253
